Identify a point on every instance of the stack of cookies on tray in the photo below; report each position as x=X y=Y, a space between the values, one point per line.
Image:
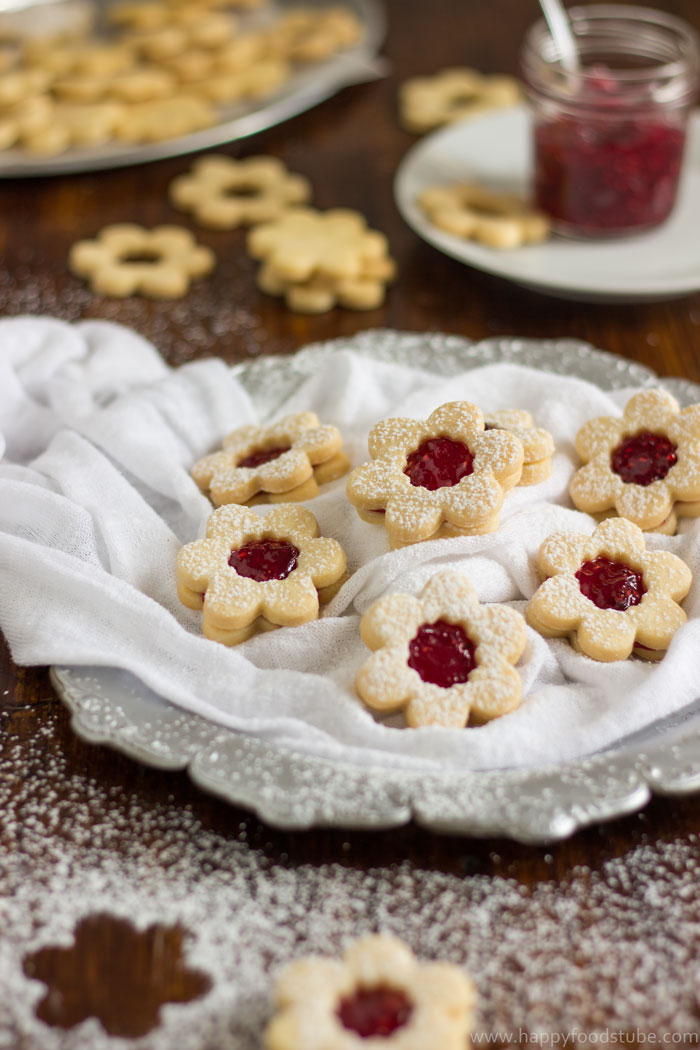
x=441 y=658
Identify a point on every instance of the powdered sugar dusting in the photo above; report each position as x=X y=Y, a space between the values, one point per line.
x=610 y=945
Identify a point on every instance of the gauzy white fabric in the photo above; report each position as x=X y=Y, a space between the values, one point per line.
x=90 y=529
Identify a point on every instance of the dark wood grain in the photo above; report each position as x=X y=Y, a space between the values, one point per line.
x=350 y=147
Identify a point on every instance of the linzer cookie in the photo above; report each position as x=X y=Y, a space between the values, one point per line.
x=377 y=994
x=126 y=259
x=255 y=573
x=446 y=476
x=452 y=95
x=223 y=193
x=644 y=466
x=538 y=444
x=608 y=594
x=284 y=462
x=441 y=658
x=498 y=220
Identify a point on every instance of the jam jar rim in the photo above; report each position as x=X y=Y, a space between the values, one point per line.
x=682 y=73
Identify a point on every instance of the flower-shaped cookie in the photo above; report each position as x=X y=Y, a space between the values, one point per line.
x=377 y=994
x=223 y=193
x=538 y=444
x=451 y=95
x=645 y=465
x=362 y=291
x=442 y=658
x=126 y=259
x=445 y=476
x=608 y=593
x=254 y=573
x=498 y=220
x=310 y=34
x=284 y=461
x=304 y=242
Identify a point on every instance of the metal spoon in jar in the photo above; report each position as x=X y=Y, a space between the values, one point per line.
x=562 y=34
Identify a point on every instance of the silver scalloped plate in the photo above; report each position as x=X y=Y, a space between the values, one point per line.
x=294 y=791
x=304 y=89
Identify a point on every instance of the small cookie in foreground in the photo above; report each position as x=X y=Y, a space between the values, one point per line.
x=538 y=443
x=608 y=594
x=223 y=193
x=498 y=220
x=379 y=992
x=451 y=95
x=442 y=658
x=286 y=461
x=255 y=573
x=446 y=476
x=126 y=259
x=644 y=465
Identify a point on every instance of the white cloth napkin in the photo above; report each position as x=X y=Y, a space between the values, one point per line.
x=90 y=529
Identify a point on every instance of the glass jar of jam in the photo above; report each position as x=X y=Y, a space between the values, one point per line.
x=609 y=137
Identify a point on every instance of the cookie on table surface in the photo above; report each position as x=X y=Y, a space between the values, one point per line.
x=127 y=259
x=472 y=212
x=377 y=993
x=253 y=573
x=319 y=259
x=538 y=443
x=222 y=193
x=644 y=465
x=441 y=658
x=452 y=95
x=608 y=594
x=287 y=460
x=446 y=476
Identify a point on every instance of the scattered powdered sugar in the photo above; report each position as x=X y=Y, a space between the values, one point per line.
x=610 y=947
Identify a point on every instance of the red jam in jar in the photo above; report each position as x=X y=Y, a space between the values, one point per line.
x=442 y=654
x=643 y=458
x=438 y=462
x=609 y=135
x=256 y=459
x=264 y=560
x=610 y=584
x=375 y=1012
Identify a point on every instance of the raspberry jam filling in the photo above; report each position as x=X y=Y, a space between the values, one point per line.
x=375 y=1011
x=438 y=462
x=610 y=584
x=442 y=654
x=643 y=458
x=603 y=176
x=264 y=560
x=256 y=459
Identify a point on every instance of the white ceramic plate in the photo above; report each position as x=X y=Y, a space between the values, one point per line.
x=294 y=790
x=306 y=88
x=495 y=150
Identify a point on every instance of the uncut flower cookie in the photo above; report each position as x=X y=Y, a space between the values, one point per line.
x=644 y=466
x=446 y=476
x=378 y=994
x=317 y=259
x=286 y=461
x=608 y=594
x=222 y=193
x=255 y=573
x=451 y=95
x=538 y=444
x=442 y=658
x=126 y=259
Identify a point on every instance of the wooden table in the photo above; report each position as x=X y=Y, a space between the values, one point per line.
x=602 y=930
